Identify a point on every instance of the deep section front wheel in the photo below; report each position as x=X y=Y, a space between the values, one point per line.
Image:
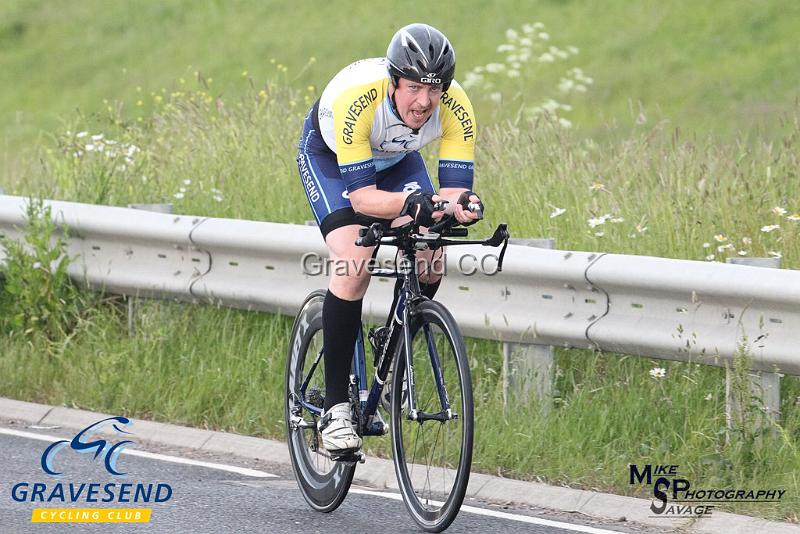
x=432 y=447
x=323 y=482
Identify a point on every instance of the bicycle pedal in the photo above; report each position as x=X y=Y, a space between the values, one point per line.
x=349 y=457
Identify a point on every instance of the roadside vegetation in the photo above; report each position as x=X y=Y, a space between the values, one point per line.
x=652 y=186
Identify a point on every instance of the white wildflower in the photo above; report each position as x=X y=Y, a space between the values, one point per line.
x=37 y=265
x=528 y=29
x=708 y=397
x=564 y=123
x=97 y=137
x=187 y=182
x=720 y=238
x=793 y=217
x=775 y=254
x=81 y=134
x=658 y=372
x=495 y=67
x=770 y=227
x=544 y=36
x=526 y=41
x=512 y=73
x=710 y=257
x=599 y=234
x=742 y=253
x=565 y=85
x=218 y=198
x=557 y=211
x=573 y=50
x=706 y=245
x=777 y=210
x=178 y=195
x=506 y=48
x=511 y=35
x=597 y=221
x=616 y=220
x=547 y=57
x=89 y=147
x=747 y=241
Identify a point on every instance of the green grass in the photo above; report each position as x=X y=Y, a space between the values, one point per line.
x=721 y=66
x=225 y=143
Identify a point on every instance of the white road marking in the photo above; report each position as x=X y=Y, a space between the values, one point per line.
x=153 y=456
x=500 y=515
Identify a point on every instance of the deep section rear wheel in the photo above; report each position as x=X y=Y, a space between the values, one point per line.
x=323 y=482
x=432 y=456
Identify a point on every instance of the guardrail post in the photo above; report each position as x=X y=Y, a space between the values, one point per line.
x=764 y=387
x=528 y=367
x=131 y=299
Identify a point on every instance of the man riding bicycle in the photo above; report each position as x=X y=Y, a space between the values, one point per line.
x=359 y=163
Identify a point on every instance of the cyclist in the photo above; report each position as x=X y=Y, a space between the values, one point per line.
x=359 y=162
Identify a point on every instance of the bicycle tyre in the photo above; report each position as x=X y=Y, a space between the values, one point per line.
x=419 y=484
x=323 y=482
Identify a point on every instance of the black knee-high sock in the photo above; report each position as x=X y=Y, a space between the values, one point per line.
x=429 y=290
x=341 y=320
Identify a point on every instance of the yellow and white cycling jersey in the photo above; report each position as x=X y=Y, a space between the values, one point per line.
x=358 y=122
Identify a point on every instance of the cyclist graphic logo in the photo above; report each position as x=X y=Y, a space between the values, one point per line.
x=84 y=442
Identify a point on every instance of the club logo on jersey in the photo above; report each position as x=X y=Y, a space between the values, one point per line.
x=410 y=187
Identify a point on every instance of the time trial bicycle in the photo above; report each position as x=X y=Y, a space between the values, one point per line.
x=421 y=377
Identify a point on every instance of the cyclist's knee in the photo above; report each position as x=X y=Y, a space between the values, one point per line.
x=349 y=263
x=431 y=266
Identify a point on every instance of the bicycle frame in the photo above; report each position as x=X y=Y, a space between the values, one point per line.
x=368 y=400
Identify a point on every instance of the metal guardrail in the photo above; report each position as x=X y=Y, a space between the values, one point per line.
x=654 y=307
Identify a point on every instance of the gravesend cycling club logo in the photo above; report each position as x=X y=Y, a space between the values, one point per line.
x=98 y=445
x=674 y=496
x=83 y=493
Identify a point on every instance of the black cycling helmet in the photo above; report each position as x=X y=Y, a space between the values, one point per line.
x=423 y=54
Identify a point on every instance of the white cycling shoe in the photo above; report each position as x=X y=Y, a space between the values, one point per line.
x=338 y=434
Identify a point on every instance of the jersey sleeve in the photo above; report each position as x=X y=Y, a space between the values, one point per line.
x=457 y=148
x=353 y=115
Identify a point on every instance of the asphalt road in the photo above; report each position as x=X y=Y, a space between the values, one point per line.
x=206 y=499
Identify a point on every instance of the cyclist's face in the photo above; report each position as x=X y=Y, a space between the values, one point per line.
x=416 y=101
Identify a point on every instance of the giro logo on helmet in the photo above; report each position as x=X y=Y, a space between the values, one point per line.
x=430 y=78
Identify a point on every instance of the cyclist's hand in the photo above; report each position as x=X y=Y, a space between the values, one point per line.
x=420 y=206
x=469 y=208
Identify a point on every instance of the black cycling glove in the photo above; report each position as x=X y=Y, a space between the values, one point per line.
x=463 y=199
x=420 y=206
